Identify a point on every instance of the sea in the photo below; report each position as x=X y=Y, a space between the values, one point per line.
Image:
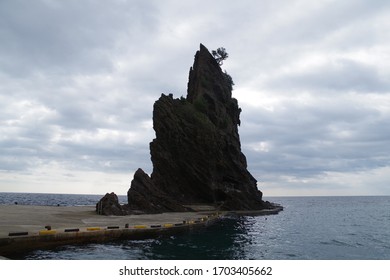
x=309 y=228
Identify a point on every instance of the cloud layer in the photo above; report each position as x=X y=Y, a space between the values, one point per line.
x=78 y=80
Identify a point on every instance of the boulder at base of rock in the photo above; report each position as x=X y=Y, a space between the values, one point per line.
x=109 y=205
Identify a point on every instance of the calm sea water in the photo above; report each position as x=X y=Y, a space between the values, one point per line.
x=309 y=228
x=53 y=199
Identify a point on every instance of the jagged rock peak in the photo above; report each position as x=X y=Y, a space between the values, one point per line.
x=210 y=89
x=196 y=154
x=205 y=78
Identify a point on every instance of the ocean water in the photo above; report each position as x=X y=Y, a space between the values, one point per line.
x=49 y=199
x=317 y=228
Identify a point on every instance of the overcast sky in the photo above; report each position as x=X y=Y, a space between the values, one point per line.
x=78 y=80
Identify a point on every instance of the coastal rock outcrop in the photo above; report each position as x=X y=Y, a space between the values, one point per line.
x=109 y=205
x=196 y=154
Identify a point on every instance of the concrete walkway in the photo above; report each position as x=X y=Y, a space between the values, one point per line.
x=24 y=228
x=14 y=218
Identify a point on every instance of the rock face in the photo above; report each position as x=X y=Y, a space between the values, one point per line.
x=145 y=196
x=196 y=154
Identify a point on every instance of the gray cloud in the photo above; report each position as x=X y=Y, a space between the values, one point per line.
x=306 y=141
x=71 y=37
x=78 y=80
x=335 y=76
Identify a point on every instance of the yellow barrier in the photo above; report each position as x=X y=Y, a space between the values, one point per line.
x=47 y=232
x=93 y=228
x=140 y=226
x=168 y=225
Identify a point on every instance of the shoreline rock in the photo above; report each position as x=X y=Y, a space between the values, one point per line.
x=109 y=205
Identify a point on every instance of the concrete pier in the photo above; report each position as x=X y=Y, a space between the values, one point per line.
x=24 y=228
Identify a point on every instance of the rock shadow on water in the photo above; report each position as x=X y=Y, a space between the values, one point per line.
x=227 y=239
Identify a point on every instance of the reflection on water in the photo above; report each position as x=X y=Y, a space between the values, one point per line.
x=230 y=238
x=226 y=239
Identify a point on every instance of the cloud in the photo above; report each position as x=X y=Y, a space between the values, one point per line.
x=79 y=79
x=316 y=138
x=332 y=76
x=70 y=37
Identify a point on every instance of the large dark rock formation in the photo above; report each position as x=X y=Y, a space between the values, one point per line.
x=197 y=154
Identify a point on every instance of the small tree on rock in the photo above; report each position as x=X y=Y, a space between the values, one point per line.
x=220 y=55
